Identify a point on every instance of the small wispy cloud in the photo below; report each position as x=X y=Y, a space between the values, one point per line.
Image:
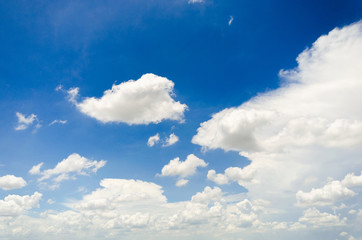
x=62 y=122
x=196 y=1
x=171 y=140
x=231 y=19
x=26 y=121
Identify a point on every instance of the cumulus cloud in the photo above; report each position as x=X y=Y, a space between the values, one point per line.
x=25 y=122
x=68 y=168
x=153 y=140
x=314 y=218
x=146 y=100
x=13 y=205
x=330 y=193
x=171 y=140
x=233 y=174
x=183 y=169
x=308 y=128
x=9 y=182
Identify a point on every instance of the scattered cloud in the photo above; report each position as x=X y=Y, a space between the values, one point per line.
x=62 y=122
x=153 y=140
x=143 y=101
x=171 y=140
x=9 y=182
x=25 y=122
x=67 y=169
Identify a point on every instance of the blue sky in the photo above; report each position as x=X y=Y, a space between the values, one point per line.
x=260 y=98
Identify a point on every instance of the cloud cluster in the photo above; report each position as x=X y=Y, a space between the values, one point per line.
x=68 y=168
x=182 y=169
x=14 y=205
x=9 y=182
x=168 y=141
x=146 y=100
x=302 y=130
x=232 y=174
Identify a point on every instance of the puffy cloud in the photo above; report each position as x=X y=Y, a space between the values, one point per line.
x=183 y=169
x=116 y=193
x=13 y=205
x=146 y=100
x=315 y=219
x=9 y=182
x=58 y=122
x=24 y=122
x=234 y=174
x=68 y=168
x=330 y=193
x=153 y=140
x=171 y=140
x=306 y=129
x=327 y=195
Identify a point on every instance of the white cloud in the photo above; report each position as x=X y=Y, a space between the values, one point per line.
x=146 y=100
x=68 y=168
x=9 y=182
x=231 y=19
x=182 y=169
x=181 y=182
x=171 y=140
x=315 y=219
x=153 y=140
x=196 y=1
x=58 y=121
x=308 y=128
x=330 y=193
x=24 y=122
x=13 y=205
x=234 y=174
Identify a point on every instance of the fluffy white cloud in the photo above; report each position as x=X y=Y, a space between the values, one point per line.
x=9 y=182
x=24 y=122
x=153 y=140
x=146 y=100
x=171 y=140
x=183 y=169
x=13 y=205
x=315 y=219
x=68 y=168
x=330 y=193
x=327 y=195
x=234 y=174
x=308 y=128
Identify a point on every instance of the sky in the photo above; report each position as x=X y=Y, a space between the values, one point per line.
x=181 y=119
